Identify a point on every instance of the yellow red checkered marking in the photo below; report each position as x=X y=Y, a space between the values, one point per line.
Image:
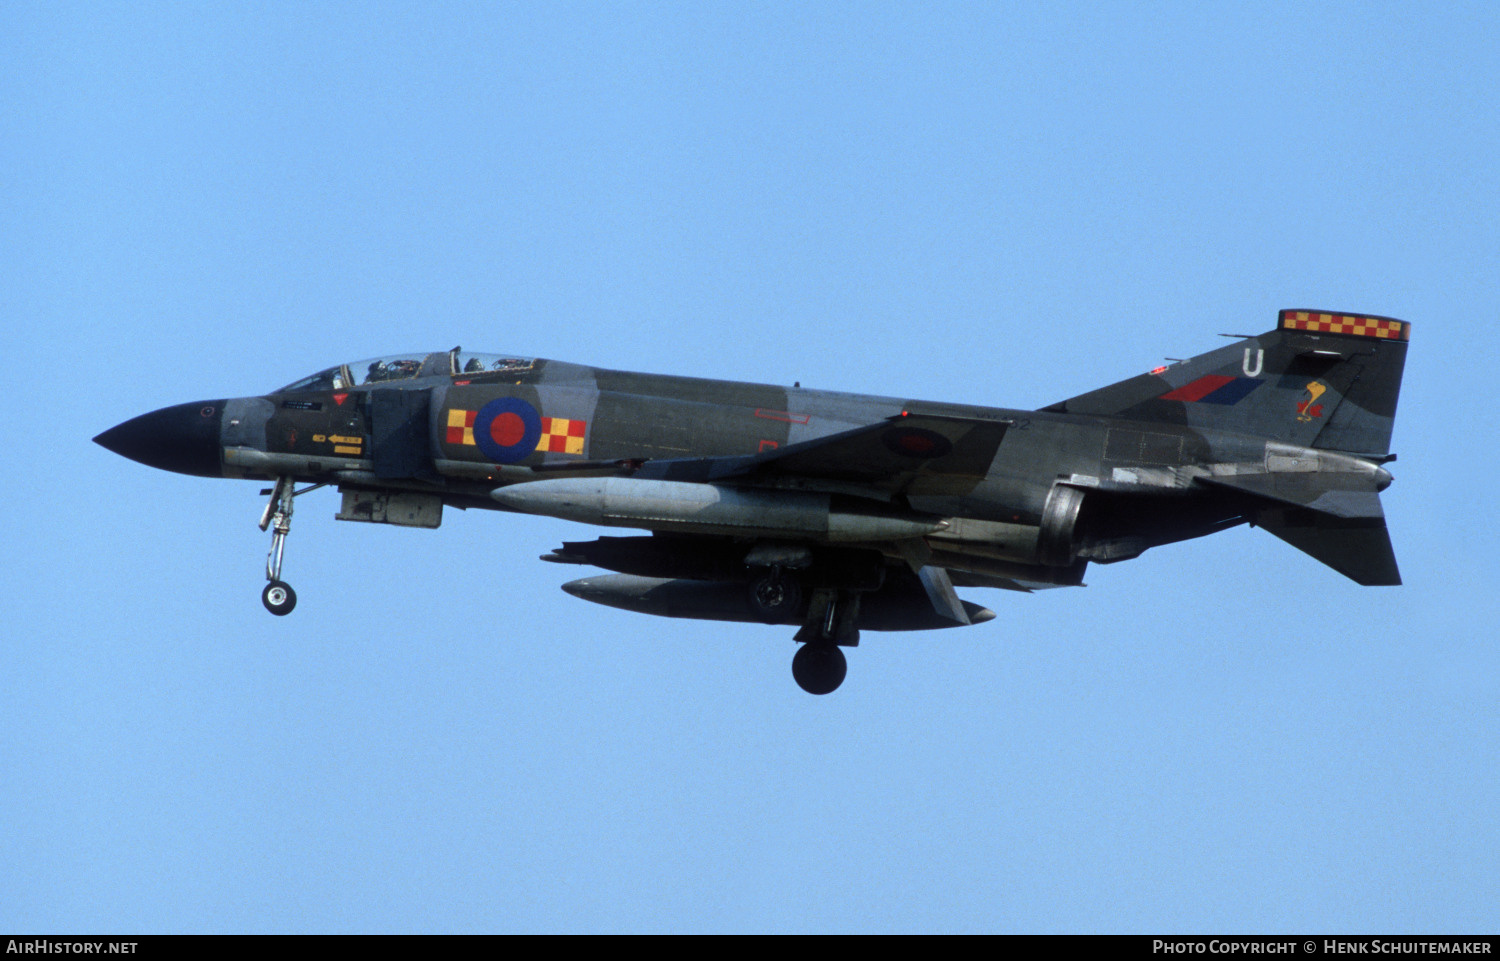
x=562 y=436
x=1382 y=328
x=461 y=426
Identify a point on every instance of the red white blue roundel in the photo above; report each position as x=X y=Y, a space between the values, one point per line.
x=916 y=442
x=507 y=430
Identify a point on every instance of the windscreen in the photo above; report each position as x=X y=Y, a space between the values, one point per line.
x=334 y=378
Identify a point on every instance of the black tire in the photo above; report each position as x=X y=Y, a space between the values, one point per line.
x=279 y=598
x=819 y=668
x=775 y=599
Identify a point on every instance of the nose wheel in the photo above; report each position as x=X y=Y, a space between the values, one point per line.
x=278 y=596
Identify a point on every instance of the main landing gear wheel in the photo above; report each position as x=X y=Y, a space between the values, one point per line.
x=775 y=597
x=279 y=598
x=819 y=668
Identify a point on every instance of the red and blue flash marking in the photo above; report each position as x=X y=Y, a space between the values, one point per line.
x=1214 y=389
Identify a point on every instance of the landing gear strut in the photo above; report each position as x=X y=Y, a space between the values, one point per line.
x=278 y=597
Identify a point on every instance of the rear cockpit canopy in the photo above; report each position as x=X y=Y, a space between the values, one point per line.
x=448 y=363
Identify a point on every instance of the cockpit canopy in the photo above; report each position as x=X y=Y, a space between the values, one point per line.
x=448 y=363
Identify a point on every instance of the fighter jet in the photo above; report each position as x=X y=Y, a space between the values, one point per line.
x=833 y=512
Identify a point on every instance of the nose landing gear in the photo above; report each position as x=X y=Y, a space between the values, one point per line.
x=278 y=596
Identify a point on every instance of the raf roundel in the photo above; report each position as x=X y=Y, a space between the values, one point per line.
x=916 y=442
x=507 y=430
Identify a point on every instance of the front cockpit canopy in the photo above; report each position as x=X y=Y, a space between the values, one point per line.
x=448 y=363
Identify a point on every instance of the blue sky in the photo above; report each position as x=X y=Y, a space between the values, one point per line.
x=992 y=203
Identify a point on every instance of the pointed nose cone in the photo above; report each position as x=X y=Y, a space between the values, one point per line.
x=184 y=438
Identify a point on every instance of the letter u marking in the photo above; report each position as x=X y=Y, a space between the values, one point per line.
x=1260 y=361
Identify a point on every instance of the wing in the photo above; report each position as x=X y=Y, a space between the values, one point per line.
x=909 y=453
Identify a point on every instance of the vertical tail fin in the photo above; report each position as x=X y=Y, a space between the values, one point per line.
x=1320 y=379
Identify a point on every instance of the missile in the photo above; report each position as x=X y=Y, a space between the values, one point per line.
x=885 y=610
x=710 y=509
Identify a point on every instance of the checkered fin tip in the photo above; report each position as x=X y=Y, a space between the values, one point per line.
x=1356 y=325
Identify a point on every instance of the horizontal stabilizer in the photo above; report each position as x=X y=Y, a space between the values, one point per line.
x=1357 y=547
x=1334 y=518
x=1305 y=490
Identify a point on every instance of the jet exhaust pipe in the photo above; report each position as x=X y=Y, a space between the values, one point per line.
x=709 y=509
